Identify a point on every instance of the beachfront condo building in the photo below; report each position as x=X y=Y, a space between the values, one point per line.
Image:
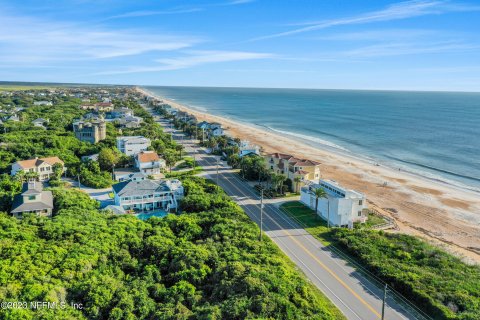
x=292 y=167
x=141 y=194
x=342 y=206
x=92 y=130
x=131 y=145
x=43 y=167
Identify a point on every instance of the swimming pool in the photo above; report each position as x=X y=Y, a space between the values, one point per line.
x=146 y=216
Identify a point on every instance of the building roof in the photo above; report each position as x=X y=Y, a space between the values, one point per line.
x=148 y=156
x=133 y=138
x=292 y=160
x=139 y=187
x=115 y=209
x=46 y=201
x=26 y=164
x=40 y=120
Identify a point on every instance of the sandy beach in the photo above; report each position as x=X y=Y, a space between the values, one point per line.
x=444 y=214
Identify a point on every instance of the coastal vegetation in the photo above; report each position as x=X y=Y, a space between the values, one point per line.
x=22 y=140
x=205 y=263
x=438 y=283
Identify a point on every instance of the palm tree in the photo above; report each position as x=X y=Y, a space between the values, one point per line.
x=281 y=180
x=297 y=180
x=319 y=193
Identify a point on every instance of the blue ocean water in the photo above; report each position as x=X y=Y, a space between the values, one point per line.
x=436 y=134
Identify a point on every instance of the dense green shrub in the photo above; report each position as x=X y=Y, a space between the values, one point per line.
x=205 y=265
x=439 y=283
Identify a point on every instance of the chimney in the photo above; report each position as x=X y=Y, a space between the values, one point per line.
x=31 y=184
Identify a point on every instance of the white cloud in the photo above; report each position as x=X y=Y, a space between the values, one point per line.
x=194 y=58
x=145 y=13
x=398 y=11
x=29 y=40
x=397 y=49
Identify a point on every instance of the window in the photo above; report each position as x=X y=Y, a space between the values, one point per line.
x=359 y=213
x=271 y=167
x=360 y=202
x=32 y=197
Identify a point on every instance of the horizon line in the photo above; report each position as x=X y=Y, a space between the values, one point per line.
x=6 y=82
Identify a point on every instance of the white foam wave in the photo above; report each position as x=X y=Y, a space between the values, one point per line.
x=310 y=138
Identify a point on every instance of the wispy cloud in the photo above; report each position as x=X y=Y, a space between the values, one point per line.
x=194 y=58
x=145 y=13
x=234 y=2
x=381 y=35
x=397 y=49
x=398 y=11
x=178 y=10
x=28 y=40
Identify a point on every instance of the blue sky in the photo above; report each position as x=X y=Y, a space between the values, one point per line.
x=409 y=45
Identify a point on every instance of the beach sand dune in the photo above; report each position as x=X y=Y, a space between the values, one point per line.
x=444 y=214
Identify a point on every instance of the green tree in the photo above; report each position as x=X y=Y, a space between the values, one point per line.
x=297 y=181
x=170 y=159
x=319 y=193
x=107 y=159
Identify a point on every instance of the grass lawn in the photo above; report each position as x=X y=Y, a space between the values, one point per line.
x=179 y=174
x=307 y=218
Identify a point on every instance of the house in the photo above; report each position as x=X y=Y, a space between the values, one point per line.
x=33 y=200
x=39 y=122
x=246 y=148
x=217 y=132
x=148 y=162
x=292 y=167
x=13 y=118
x=342 y=206
x=42 y=103
x=144 y=194
x=118 y=113
x=42 y=166
x=104 y=106
x=130 y=122
x=92 y=157
x=131 y=145
x=122 y=174
x=92 y=130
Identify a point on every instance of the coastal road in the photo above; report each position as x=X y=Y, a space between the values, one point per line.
x=349 y=290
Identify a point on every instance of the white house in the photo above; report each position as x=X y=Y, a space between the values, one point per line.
x=217 y=132
x=131 y=145
x=42 y=103
x=39 y=122
x=342 y=206
x=148 y=162
x=42 y=166
x=141 y=194
x=246 y=148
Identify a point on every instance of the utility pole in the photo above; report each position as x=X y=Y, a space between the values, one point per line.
x=218 y=160
x=113 y=172
x=79 y=185
x=384 y=300
x=261 y=213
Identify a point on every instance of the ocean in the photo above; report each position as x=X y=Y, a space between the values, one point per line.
x=434 y=134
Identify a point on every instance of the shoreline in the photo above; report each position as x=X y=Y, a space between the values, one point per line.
x=443 y=213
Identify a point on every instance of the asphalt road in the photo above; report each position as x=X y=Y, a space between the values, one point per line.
x=349 y=290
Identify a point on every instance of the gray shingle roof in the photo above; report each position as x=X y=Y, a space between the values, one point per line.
x=46 y=203
x=139 y=188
